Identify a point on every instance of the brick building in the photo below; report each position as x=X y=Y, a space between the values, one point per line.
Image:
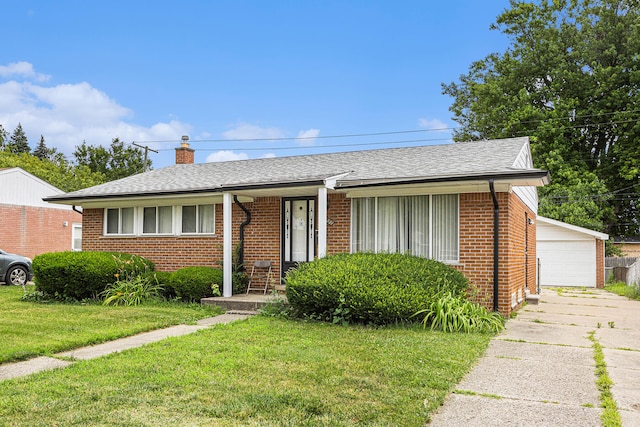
x=31 y=226
x=469 y=204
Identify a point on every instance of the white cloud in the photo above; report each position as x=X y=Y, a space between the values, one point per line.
x=434 y=124
x=268 y=156
x=22 y=69
x=68 y=114
x=226 y=156
x=307 y=137
x=248 y=131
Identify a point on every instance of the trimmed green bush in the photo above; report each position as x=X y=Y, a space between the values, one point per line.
x=82 y=275
x=193 y=283
x=162 y=278
x=370 y=288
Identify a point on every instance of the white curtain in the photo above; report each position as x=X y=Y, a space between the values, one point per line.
x=445 y=227
x=127 y=220
x=391 y=222
x=206 y=219
x=363 y=225
x=403 y=224
x=165 y=219
x=419 y=225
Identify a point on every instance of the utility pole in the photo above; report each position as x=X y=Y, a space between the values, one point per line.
x=146 y=154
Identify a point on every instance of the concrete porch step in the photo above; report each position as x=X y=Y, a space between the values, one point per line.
x=241 y=303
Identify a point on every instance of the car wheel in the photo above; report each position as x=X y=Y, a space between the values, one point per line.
x=17 y=276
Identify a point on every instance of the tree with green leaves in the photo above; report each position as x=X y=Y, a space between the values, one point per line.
x=117 y=161
x=570 y=79
x=61 y=175
x=18 y=142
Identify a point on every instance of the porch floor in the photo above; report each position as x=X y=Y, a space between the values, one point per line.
x=242 y=302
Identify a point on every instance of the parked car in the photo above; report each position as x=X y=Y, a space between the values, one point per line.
x=15 y=269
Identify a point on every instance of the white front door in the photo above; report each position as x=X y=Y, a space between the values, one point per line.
x=298 y=228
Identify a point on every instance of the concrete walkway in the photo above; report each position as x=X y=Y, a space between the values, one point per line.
x=61 y=360
x=541 y=370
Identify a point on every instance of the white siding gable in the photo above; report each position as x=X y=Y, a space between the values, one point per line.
x=18 y=187
x=529 y=195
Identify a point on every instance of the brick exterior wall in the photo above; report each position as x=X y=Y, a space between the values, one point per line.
x=30 y=230
x=476 y=248
x=600 y=279
x=263 y=242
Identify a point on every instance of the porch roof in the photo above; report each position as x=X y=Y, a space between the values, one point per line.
x=498 y=159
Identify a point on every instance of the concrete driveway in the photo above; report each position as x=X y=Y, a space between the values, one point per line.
x=541 y=370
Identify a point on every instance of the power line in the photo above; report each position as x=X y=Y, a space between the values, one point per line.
x=407 y=141
x=296 y=138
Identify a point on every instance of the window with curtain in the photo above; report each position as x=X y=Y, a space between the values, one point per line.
x=157 y=220
x=119 y=221
x=198 y=219
x=425 y=226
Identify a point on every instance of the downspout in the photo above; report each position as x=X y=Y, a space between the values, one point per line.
x=76 y=209
x=242 y=226
x=496 y=241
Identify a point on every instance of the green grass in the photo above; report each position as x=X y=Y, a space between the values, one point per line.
x=610 y=416
x=32 y=329
x=260 y=372
x=622 y=289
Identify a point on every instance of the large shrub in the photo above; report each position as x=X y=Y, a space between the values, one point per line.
x=193 y=283
x=80 y=275
x=370 y=288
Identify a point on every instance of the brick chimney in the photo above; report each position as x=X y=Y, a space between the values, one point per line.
x=184 y=154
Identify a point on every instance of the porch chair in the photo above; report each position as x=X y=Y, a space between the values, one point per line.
x=260 y=276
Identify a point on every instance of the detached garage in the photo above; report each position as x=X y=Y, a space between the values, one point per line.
x=569 y=255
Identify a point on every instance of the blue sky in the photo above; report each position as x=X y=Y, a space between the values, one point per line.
x=220 y=71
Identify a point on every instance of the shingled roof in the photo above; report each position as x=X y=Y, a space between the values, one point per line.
x=432 y=163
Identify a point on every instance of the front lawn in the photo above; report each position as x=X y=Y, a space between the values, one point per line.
x=259 y=372
x=32 y=329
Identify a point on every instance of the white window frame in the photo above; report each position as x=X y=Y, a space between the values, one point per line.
x=119 y=233
x=75 y=227
x=198 y=232
x=431 y=225
x=176 y=221
x=157 y=224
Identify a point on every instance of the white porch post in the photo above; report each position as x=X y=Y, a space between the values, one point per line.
x=322 y=222
x=227 y=246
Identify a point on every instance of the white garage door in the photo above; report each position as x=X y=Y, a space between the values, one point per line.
x=567 y=263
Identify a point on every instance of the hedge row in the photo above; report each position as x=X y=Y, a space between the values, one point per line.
x=370 y=288
x=84 y=275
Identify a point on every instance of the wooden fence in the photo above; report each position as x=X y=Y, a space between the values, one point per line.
x=623 y=269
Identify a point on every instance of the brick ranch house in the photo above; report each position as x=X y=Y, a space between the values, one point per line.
x=31 y=226
x=441 y=201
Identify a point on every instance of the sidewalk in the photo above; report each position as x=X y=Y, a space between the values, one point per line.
x=61 y=360
x=541 y=370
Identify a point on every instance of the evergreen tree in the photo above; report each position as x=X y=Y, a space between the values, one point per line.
x=3 y=138
x=18 y=142
x=42 y=151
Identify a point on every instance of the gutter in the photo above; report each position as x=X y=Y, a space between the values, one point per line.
x=540 y=175
x=76 y=209
x=242 y=226
x=496 y=241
